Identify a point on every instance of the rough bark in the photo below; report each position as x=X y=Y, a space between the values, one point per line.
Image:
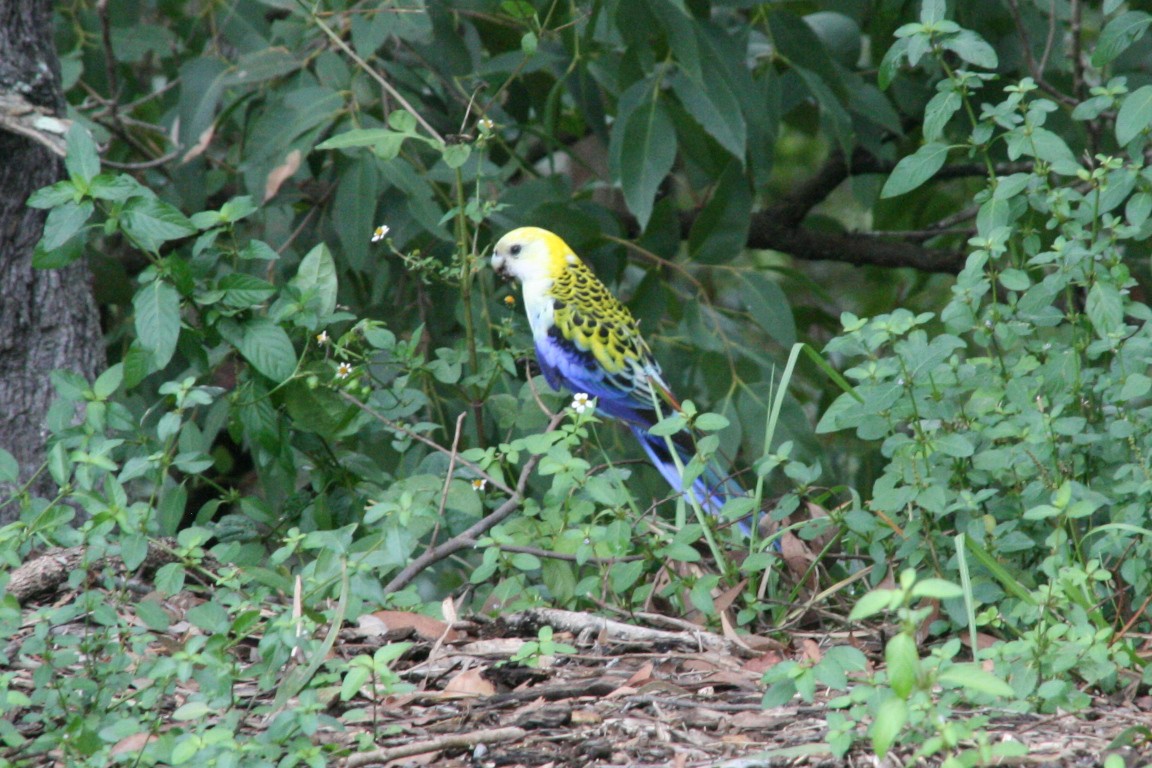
x=48 y=318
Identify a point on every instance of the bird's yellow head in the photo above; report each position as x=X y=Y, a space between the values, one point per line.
x=531 y=254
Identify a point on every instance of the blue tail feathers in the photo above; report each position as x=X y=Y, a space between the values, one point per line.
x=712 y=487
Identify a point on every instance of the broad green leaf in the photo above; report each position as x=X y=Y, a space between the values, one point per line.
x=151 y=222
x=242 y=291
x=263 y=344
x=316 y=280
x=840 y=35
x=320 y=409
x=1135 y=114
x=170 y=510
x=1104 y=308
x=939 y=111
x=1046 y=145
x=108 y=382
x=971 y=47
x=82 y=161
x=262 y=65
x=455 y=155
x=940 y=589
x=1119 y=35
x=63 y=222
x=116 y=188
x=402 y=120
x=642 y=147
x=891 y=62
x=720 y=231
x=769 y=307
x=874 y=602
x=715 y=108
x=361 y=137
x=803 y=49
x=51 y=196
x=914 y=170
x=885 y=729
x=157 y=307
x=974 y=677
x=903 y=662
x=9 y=468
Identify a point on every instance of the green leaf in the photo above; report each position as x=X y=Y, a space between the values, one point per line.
x=891 y=62
x=361 y=137
x=193 y=710
x=455 y=155
x=903 y=661
x=262 y=65
x=82 y=161
x=1135 y=115
x=9 y=468
x=973 y=677
x=263 y=344
x=108 y=382
x=768 y=305
x=915 y=169
x=258 y=249
x=1119 y=35
x=137 y=363
x=876 y=601
x=170 y=510
x=63 y=222
x=157 y=307
x=51 y=196
x=939 y=589
x=316 y=280
x=891 y=716
x=799 y=44
x=242 y=291
x=402 y=120
x=715 y=108
x=116 y=188
x=939 y=111
x=642 y=147
x=971 y=47
x=1105 y=308
x=720 y=231
x=318 y=409
x=151 y=222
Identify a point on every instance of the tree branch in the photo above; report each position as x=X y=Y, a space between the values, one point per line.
x=779 y=227
x=467 y=539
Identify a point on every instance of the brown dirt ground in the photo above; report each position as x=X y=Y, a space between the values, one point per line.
x=651 y=692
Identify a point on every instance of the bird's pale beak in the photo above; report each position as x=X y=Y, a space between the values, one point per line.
x=498 y=265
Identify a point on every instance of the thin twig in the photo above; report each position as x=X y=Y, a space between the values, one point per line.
x=467 y=539
x=428 y=442
x=437 y=744
x=452 y=457
x=568 y=557
x=375 y=76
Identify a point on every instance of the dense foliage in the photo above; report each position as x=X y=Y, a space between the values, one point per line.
x=300 y=397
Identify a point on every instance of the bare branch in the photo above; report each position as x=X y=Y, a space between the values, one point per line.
x=467 y=539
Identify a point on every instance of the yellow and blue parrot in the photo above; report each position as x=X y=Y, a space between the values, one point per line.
x=587 y=341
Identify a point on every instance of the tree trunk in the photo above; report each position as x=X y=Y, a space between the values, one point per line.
x=48 y=318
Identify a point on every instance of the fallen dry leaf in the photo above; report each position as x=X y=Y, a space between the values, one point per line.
x=470 y=681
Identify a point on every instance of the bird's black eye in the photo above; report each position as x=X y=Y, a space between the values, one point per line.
x=514 y=250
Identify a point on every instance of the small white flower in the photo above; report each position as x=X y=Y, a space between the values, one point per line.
x=479 y=484
x=581 y=402
x=380 y=233
x=486 y=124
x=322 y=338
x=344 y=370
